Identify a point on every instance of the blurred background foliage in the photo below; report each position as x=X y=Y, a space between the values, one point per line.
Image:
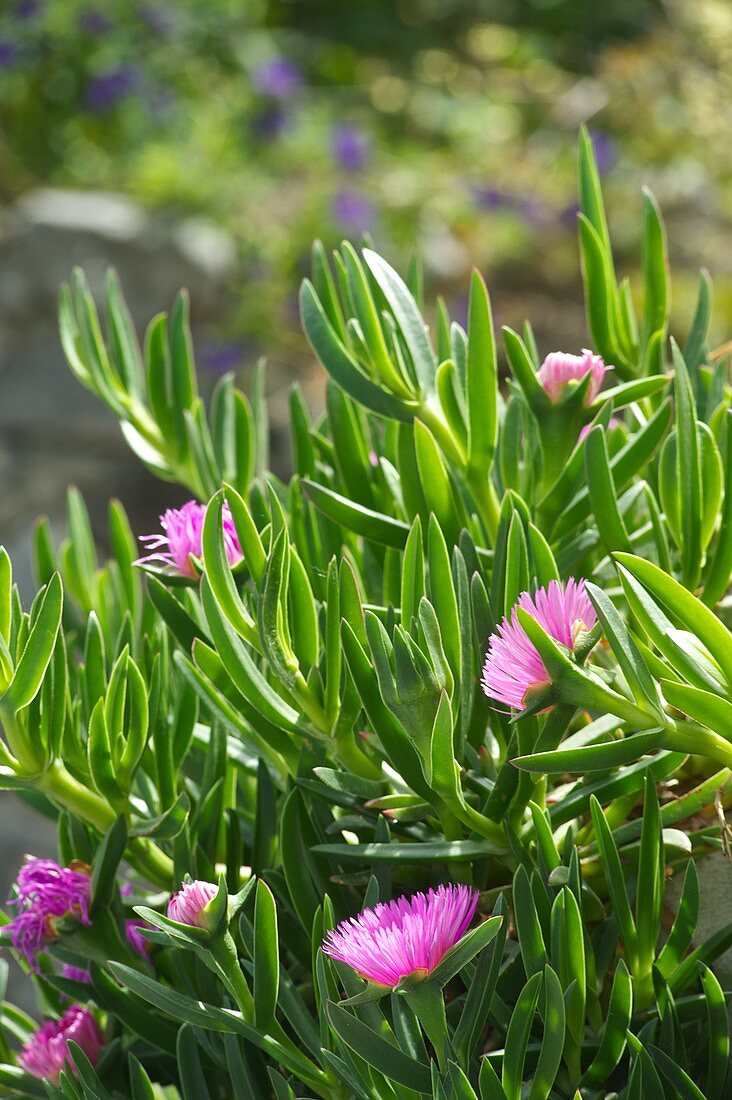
x=446 y=125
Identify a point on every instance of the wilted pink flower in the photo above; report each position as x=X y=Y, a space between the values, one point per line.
x=76 y=974
x=612 y=423
x=46 y=892
x=47 y=1052
x=134 y=937
x=386 y=943
x=187 y=905
x=512 y=664
x=560 y=367
x=181 y=534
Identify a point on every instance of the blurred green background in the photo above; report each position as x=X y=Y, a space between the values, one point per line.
x=448 y=125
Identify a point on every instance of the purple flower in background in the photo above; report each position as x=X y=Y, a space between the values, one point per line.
x=606 y=151
x=104 y=92
x=187 y=905
x=135 y=939
x=76 y=974
x=560 y=368
x=46 y=892
x=512 y=663
x=222 y=356
x=489 y=198
x=47 y=1051
x=9 y=54
x=390 y=941
x=353 y=211
x=182 y=534
x=612 y=423
x=568 y=215
x=350 y=147
x=27 y=9
x=94 y=22
x=458 y=308
x=268 y=124
x=277 y=78
x=531 y=210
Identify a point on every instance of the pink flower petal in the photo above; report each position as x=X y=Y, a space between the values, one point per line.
x=512 y=663
x=386 y=943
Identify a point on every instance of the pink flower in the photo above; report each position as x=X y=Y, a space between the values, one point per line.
x=135 y=939
x=560 y=367
x=612 y=423
x=181 y=535
x=188 y=904
x=512 y=664
x=46 y=893
x=46 y=1052
x=390 y=941
x=76 y=974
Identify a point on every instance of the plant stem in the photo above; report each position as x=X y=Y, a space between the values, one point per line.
x=227 y=960
x=486 y=500
x=349 y=752
x=683 y=736
x=428 y=1004
x=142 y=853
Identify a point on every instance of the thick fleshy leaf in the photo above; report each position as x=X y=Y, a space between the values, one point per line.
x=379 y=1053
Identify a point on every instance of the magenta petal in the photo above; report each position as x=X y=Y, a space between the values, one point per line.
x=182 y=537
x=46 y=892
x=512 y=663
x=392 y=940
x=47 y=1051
x=560 y=367
x=188 y=903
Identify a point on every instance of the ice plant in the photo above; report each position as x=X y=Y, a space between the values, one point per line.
x=512 y=664
x=614 y=422
x=76 y=974
x=47 y=1051
x=187 y=905
x=135 y=938
x=560 y=368
x=181 y=538
x=398 y=938
x=47 y=892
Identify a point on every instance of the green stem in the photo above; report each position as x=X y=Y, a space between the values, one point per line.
x=478 y=481
x=73 y=795
x=428 y=1004
x=450 y=445
x=20 y=745
x=224 y=952
x=226 y=958
x=581 y=690
x=486 y=500
x=682 y=736
x=310 y=706
x=349 y=753
x=558 y=438
x=143 y=854
x=452 y=830
x=643 y=991
x=151 y=861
